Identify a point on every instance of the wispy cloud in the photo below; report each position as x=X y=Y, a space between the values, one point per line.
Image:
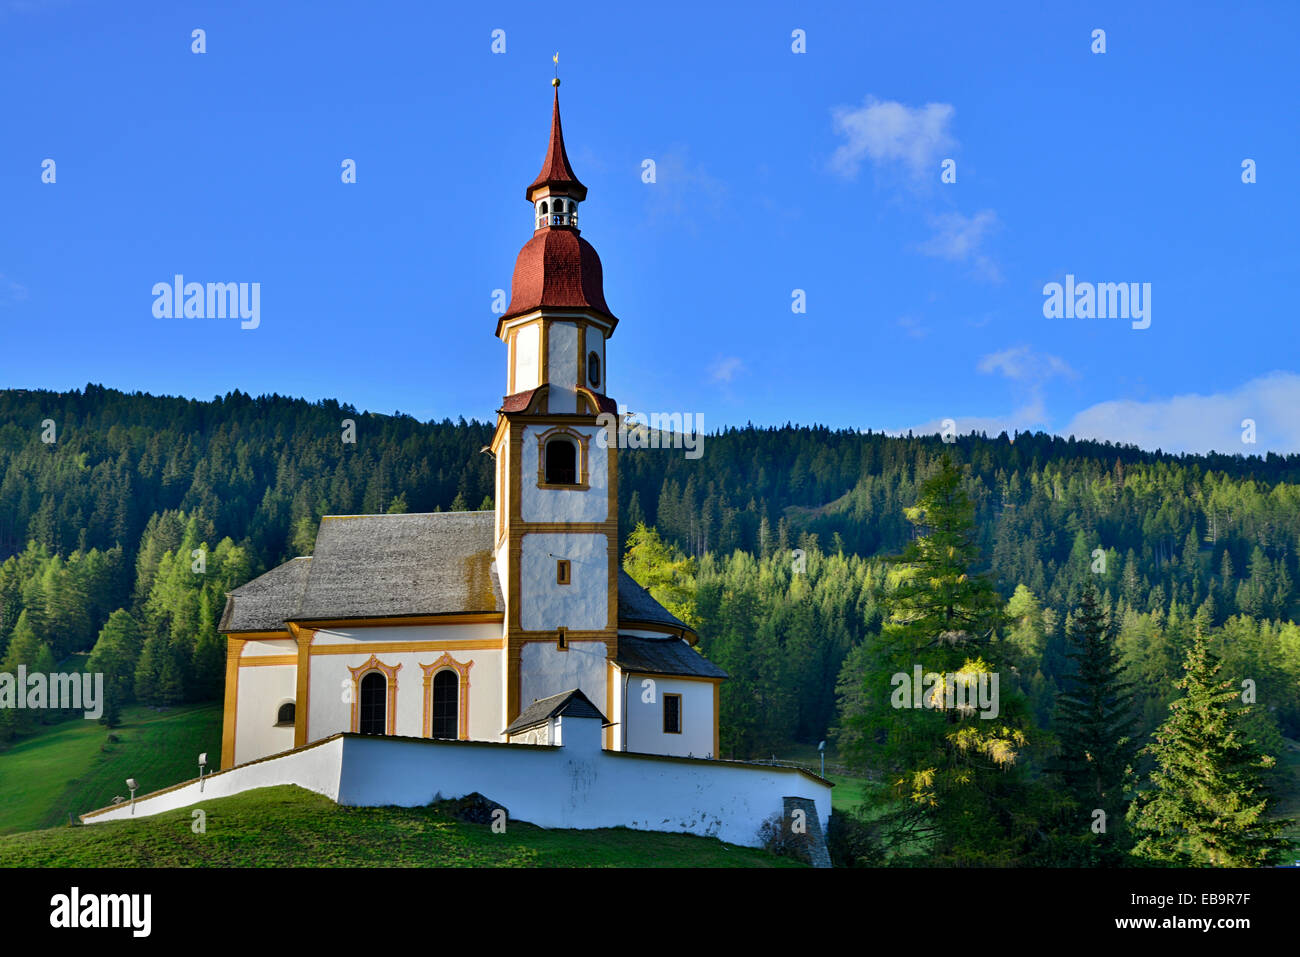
x=911 y=142
x=1182 y=423
x=912 y=326
x=959 y=238
x=1029 y=371
x=726 y=369
x=1025 y=418
x=888 y=132
x=1201 y=423
x=1023 y=364
x=11 y=291
x=682 y=190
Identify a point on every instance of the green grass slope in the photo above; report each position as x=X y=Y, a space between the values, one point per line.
x=290 y=827
x=71 y=767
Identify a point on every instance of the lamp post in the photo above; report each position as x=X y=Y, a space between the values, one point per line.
x=130 y=782
x=203 y=762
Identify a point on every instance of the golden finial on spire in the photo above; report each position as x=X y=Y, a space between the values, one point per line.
x=556 y=60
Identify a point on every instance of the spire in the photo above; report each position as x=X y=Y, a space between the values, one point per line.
x=556 y=172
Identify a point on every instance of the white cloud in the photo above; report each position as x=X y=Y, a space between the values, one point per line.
x=11 y=291
x=1202 y=423
x=1026 y=418
x=1029 y=371
x=1022 y=364
x=886 y=131
x=913 y=327
x=726 y=369
x=959 y=238
x=682 y=191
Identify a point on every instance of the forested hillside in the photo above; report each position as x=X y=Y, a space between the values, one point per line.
x=125 y=518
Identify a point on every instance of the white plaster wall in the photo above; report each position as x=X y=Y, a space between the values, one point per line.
x=263 y=648
x=581 y=605
x=614 y=711
x=261 y=692
x=538 y=735
x=331 y=713
x=316 y=769
x=544 y=670
x=562 y=367
x=502 y=502
x=564 y=505
x=527 y=342
x=386 y=633
x=577 y=786
x=501 y=507
x=645 y=721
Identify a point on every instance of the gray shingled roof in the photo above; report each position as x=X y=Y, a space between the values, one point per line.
x=663 y=656
x=264 y=603
x=637 y=604
x=435 y=563
x=573 y=704
x=372 y=566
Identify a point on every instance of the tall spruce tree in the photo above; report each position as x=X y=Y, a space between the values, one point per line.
x=961 y=795
x=1208 y=803
x=1094 y=724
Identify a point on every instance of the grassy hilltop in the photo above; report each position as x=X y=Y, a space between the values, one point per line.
x=290 y=827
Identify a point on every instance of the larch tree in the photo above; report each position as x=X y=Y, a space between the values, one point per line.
x=953 y=768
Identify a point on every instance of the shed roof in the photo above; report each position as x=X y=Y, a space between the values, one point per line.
x=637 y=604
x=569 y=704
x=663 y=656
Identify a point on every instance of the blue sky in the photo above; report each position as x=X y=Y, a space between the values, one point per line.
x=775 y=171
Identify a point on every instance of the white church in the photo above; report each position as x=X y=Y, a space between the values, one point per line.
x=474 y=631
x=453 y=624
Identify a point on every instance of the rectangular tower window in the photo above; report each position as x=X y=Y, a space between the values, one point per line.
x=672 y=714
x=561 y=639
x=562 y=571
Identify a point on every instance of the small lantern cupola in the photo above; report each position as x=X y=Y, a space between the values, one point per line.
x=556 y=192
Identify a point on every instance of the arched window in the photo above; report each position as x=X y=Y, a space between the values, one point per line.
x=561 y=462
x=446 y=705
x=446 y=698
x=374 y=702
x=285 y=715
x=543 y=207
x=593 y=369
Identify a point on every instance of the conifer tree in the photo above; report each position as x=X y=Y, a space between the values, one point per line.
x=1208 y=803
x=955 y=772
x=1094 y=725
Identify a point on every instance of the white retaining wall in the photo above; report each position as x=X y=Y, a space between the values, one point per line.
x=576 y=786
x=315 y=768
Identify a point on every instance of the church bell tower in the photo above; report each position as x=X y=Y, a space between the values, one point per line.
x=557 y=478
